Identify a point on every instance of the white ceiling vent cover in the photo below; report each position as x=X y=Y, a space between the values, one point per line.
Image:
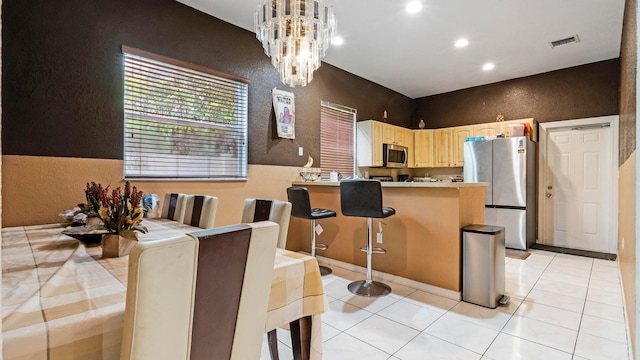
x=570 y=40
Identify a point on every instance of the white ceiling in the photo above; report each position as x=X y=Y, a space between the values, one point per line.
x=413 y=54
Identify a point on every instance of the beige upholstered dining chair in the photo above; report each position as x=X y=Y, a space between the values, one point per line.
x=273 y=210
x=174 y=206
x=200 y=296
x=160 y=294
x=200 y=211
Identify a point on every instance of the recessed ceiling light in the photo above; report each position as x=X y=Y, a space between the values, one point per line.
x=488 y=66
x=461 y=43
x=337 y=40
x=413 y=7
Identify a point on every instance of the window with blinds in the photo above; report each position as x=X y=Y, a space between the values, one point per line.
x=337 y=146
x=182 y=121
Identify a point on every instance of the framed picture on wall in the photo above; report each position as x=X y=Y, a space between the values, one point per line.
x=284 y=107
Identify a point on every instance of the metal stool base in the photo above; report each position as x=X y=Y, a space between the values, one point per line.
x=325 y=270
x=369 y=289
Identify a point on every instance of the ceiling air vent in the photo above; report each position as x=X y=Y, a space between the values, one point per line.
x=570 y=40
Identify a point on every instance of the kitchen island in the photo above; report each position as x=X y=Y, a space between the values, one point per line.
x=422 y=240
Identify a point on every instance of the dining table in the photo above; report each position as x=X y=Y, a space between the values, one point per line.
x=62 y=300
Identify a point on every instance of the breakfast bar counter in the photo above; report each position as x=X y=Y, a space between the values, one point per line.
x=422 y=240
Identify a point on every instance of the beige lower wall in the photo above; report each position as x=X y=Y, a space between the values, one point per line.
x=627 y=230
x=35 y=189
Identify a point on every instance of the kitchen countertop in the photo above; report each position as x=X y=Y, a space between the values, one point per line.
x=398 y=184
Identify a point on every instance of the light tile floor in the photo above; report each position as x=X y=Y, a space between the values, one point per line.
x=562 y=307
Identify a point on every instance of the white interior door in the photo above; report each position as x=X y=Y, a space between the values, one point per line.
x=577 y=188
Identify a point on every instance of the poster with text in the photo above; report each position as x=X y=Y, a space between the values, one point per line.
x=284 y=106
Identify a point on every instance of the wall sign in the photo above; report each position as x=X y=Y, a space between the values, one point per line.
x=284 y=107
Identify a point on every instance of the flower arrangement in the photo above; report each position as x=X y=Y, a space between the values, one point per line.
x=120 y=212
x=92 y=206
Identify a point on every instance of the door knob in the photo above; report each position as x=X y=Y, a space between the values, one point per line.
x=548 y=195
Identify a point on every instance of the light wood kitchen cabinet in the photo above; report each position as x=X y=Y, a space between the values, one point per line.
x=488 y=129
x=398 y=136
x=388 y=133
x=459 y=134
x=369 y=143
x=442 y=141
x=423 y=148
x=410 y=144
x=392 y=134
x=426 y=148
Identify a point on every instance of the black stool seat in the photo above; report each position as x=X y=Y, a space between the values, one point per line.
x=363 y=198
x=322 y=214
x=301 y=208
x=388 y=211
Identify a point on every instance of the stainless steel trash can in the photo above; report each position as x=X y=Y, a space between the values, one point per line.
x=483 y=265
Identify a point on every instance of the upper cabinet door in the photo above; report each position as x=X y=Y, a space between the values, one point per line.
x=376 y=143
x=488 y=129
x=369 y=143
x=388 y=133
x=409 y=142
x=423 y=148
x=459 y=135
x=398 y=136
x=442 y=147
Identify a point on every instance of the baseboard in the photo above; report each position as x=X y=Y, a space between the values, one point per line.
x=577 y=252
x=626 y=316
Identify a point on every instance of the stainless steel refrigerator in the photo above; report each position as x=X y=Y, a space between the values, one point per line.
x=509 y=166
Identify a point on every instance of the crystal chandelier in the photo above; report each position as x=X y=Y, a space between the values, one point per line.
x=295 y=34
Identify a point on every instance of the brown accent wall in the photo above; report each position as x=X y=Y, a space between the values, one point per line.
x=628 y=70
x=578 y=92
x=63 y=77
x=628 y=172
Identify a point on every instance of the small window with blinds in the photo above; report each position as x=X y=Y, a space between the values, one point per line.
x=182 y=121
x=337 y=146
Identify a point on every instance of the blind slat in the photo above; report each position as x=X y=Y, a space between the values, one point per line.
x=182 y=123
x=336 y=140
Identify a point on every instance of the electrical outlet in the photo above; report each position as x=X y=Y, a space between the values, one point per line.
x=300 y=151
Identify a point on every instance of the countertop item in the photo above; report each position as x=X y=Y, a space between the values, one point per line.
x=396 y=184
x=381 y=178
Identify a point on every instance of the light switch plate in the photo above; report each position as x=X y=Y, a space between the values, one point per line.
x=300 y=151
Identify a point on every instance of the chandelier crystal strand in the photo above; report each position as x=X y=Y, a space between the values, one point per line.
x=295 y=34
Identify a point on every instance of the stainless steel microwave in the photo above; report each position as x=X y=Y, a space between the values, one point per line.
x=394 y=156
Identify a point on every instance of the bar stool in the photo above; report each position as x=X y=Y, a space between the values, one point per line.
x=363 y=198
x=301 y=208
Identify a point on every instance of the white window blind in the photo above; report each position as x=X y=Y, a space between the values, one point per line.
x=337 y=126
x=182 y=121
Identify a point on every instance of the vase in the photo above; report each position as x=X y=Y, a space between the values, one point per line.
x=114 y=245
x=93 y=220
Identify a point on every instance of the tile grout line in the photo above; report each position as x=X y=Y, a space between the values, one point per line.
x=516 y=310
x=584 y=305
x=501 y=331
